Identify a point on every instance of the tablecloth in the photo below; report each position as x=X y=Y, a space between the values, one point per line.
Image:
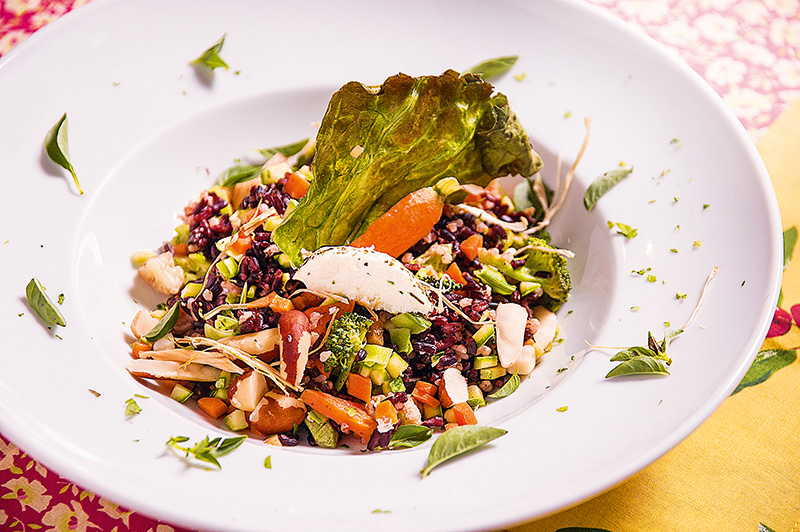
x=740 y=471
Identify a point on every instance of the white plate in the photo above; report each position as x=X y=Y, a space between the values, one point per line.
x=146 y=134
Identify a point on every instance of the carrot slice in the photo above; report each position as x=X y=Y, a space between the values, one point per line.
x=138 y=347
x=213 y=406
x=471 y=245
x=426 y=388
x=359 y=387
x=386 y=412
x=455 y=273
x=464 y=415
x=350 y=416
x=296 y=185
x=408 y=220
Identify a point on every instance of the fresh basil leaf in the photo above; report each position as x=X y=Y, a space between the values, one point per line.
x=43 y=305
x=494 y=68
x=508 y=388
x=789 y=242
x=765 y=364
x=458 y=441
x=287 y=150
x=229 y=444
x=633 y=352
x=407 y=436
x=640 y=365
x=238 y=174
x=603 y=184
x=164 y=325
x=210 y=58
x=56 y=144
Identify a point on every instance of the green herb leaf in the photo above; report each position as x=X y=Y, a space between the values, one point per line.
x=623 y=229
x=603 y=184
x=164 y=325
x=458 y=441
x=207 y=450
x=210 y=58
x=765 y=364
x=56 y=145
x=508 y=388
x=407 y=436
x=268 y=462
x=42 y=305
x=229 y=444
x=238 y=174
x=562 y=409
x=639 y=365
x=494 y=68
x=789 y=242
x=633 y=352
x=287 y=151
x=131 y=407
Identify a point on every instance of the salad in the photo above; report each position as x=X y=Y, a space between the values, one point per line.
x=374 y=282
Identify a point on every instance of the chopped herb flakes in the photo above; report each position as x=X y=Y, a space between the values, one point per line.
x=680 y=295
x=268 y=462
x=651 y=278
x=562 y=409
x=623 y=229
x=131 y=408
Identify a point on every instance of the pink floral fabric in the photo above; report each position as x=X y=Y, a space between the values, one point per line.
x=747 y=50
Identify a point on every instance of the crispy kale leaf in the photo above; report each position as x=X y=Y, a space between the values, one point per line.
x=377 y=144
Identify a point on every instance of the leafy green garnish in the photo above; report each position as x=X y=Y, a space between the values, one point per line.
x=43 y=305
x=238 y=174
x=458 y=441
x=210 y=58
x=623 y=229
x=207 y=450
x=765 y=364
x=508 y=388
x=407 y=436
x=650 y=360
x=56 y=144
x=413 y=132
x=164 y=325
x=287 y=151
x=494 y=68
x=131 y=407
x=603 y=184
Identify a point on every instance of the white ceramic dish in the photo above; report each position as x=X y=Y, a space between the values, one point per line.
x=146 y=134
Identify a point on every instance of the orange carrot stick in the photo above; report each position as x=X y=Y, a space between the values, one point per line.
x=350 y=416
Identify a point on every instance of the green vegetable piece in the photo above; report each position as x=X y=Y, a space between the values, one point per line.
x=639 y=365
x=268 y=462
x=210 y=58
x=236 y=420
x=164 y=325
x=603 y=184
x=238 y=174
x=413 y=132
x=491 y=276
x=623 y=229
x=56 y=144
x=131 y=407
x=765 y=364
x=458 y=441
x=180 y=393
x=415 y=323
x=287 y=151
x=508 y=388
x=494 y=68
x=407 y=436
x=321 y=430
x=43 y=305
x=401 y=337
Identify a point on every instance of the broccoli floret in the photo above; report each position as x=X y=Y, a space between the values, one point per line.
x=346 y=337
x=549 y=269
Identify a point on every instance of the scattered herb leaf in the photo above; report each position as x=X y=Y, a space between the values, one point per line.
x=95 y=393
x=765 y=364
x=207 y=450
x=623 y=229
x=458 y=441
x=287 y=151
x=520 y=76
x=697 y=243
x=60 y=299
x=635 y=308
x=568 y=114
x=210 y=58
x=379 y=511
x=42 y=305
x=680 y=295
x=603 y=184
x=493 y=68
x=562 y=409
x=651 y=278
x=268 y=462
x=131 y=407
x=508 y=388
x=238 y=173
x=164 y=325
x=56 y=144
x=407 y=436
x=673 y=250
x=706 y=206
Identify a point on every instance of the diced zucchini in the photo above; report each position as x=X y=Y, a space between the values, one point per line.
x=401 y=337
x=485 y=362
x=475 y=397
x=236 y=420
x=322 y=431
x=228 y=267
x=192 y=290
x=414 y=322
x=284 y=261
x=379 y=375
x=491 y=374
x=396 y=365
x=377 y=355
x=180 y=393
x=484 y=334
x=395 y=385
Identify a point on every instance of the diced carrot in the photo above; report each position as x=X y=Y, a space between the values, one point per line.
x=455 y=273
x=406 y=222
x=471 y=245
x=213 y=406
x=137 y=348
x=359 y=387
x=463 y=414
x=180 y=250
x=448 y=426
x=426 y=388
x=241 y=244
x=350 y=416
x=386 y=412
x=425 y=398
x=279 y=304
x=296 y=185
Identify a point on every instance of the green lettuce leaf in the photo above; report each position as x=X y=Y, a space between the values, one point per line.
x=375 y=145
